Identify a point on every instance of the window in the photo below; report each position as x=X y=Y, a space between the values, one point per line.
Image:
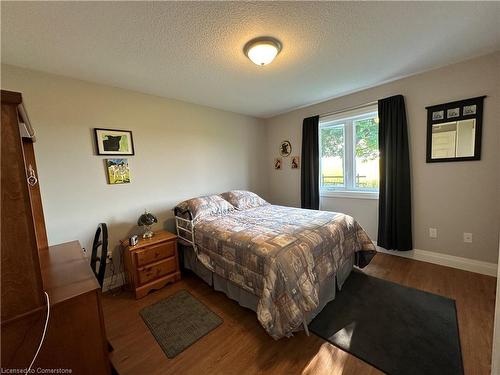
x=349 y=156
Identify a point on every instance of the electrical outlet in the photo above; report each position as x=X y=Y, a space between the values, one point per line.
x=468 y=237
x=433 y=232
x=84 y=250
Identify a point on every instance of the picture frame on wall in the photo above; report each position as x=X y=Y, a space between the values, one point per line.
x=469 y=110
x=285 y=148
x=438 y=115
x=113 y=142
x=456 y=136
x=295 y=162
x=118 y=171
x=453 y=113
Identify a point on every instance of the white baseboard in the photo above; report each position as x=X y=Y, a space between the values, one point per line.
x=465 y=264
x=112 y=282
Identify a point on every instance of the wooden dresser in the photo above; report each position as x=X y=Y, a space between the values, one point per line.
x=152 y=263
x=75 y=337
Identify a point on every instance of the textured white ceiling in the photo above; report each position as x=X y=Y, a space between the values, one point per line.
x=193 y=50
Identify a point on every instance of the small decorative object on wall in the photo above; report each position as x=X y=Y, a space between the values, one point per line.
x=285 y=148
x=295 y=162
x=453 y=112
x=438 y=115
x=470 y=110
x=118 y=171
x=454 y=130
x=114 y=142
x=147 y=220
x=277 y=163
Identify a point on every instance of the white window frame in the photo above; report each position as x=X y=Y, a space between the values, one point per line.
x=347 y=119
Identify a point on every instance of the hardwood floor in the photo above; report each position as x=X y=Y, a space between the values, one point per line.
x=241 y=346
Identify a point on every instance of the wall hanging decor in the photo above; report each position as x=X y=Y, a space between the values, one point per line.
x=113 y=142
x=295 y=162
x=454 y=130
x=277 y=163
x=285 y=148
x=118 y=171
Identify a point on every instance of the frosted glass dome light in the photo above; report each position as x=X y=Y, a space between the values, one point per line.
x=261 y=51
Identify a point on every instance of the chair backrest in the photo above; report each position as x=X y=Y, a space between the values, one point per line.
x=100 y=240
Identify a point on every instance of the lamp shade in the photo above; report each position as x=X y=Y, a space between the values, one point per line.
x=147 y=218
x=261 y=51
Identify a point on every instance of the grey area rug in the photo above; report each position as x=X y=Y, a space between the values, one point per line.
x=396 y=329
x=179 y=321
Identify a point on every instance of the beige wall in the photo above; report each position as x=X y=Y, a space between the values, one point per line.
x=452 y=197
x=182 y=150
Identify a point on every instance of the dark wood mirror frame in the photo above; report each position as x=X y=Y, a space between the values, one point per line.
x=460 y=104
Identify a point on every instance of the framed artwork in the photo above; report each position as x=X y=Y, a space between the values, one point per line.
x=470 y=110
x=277 y=163
x=295 y=162
x=113 y=142
x=453 y=112
x=285 y=148
x=438 y=115
x=118 y=171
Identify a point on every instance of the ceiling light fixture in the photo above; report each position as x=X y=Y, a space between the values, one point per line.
x=262 y=50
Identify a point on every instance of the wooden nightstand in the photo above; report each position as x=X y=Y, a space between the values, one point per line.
x=152 y=263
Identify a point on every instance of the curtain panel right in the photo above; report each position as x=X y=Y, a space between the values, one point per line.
x=394 y=212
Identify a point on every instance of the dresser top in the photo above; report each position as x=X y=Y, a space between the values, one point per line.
x=66 y=273
x=160 y=236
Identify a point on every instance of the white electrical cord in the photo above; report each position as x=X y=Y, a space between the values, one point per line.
x=44 y=332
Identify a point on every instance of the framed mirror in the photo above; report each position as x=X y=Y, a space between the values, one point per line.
x=454 y=130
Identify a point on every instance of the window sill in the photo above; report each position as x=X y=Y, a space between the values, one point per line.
x=350 y=194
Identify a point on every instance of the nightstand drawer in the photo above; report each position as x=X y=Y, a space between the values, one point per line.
x=155 y=253
x=156 y=270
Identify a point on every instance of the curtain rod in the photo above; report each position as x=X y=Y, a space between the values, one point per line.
x=348 y=109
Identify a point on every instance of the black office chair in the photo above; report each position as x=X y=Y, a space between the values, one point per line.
x=100 y=240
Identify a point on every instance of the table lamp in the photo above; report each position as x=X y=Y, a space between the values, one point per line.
x=146 y=220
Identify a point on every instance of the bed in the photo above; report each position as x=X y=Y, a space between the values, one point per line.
x=282 y=262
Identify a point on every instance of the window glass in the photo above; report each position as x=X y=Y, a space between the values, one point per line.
x=332 y=156
x=349 y=154
x=366 y=161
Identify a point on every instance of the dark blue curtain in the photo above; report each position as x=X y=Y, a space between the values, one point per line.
x=309 y=174
x=394 y=213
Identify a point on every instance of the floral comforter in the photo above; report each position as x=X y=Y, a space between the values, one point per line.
x=282 y=255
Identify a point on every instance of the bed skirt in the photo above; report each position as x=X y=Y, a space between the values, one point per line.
x=250 y=300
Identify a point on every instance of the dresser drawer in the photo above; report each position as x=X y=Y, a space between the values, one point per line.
x=155 y=253
x=156 y=270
